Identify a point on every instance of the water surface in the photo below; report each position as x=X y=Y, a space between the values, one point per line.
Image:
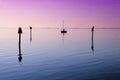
x=50 y=55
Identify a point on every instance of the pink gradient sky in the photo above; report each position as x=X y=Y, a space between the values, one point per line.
x=50 y=13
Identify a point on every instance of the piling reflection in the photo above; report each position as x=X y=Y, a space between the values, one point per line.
x=92 y=45
x=19 y=55
x=30 y=34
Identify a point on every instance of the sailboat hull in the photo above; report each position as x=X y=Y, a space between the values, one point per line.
x=63 y=31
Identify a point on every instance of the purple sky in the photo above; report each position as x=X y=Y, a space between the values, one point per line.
x=50 y=13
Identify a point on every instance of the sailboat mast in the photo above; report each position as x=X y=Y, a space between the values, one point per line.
x=63 y=24
x=63 y=31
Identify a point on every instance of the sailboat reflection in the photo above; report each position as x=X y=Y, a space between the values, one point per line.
x=92 y=45
x=19 y=55
x=63 y=35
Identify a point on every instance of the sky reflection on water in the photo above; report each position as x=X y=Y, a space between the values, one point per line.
x=48 y=58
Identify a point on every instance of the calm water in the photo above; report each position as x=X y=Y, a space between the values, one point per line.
x=50 y=55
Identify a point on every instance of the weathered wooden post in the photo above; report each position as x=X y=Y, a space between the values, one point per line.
x=30 y=33
x=20 y=55
x=92 y=46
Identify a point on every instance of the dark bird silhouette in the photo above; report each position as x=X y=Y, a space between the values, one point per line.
x=19 y=55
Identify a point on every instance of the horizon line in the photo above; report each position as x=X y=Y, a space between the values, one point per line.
x=60 y=28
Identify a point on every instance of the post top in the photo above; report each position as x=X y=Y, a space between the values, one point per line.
x=19 y=30
x=30 y=27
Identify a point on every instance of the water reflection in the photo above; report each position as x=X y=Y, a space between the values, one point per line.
x=92 y=45
x=63 y=35
x=61 y=61
x=30 y=34
x=19 y=55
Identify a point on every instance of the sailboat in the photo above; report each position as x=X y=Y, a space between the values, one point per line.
x=63 y=31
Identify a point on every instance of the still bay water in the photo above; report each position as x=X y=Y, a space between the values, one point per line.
x=49 y=55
